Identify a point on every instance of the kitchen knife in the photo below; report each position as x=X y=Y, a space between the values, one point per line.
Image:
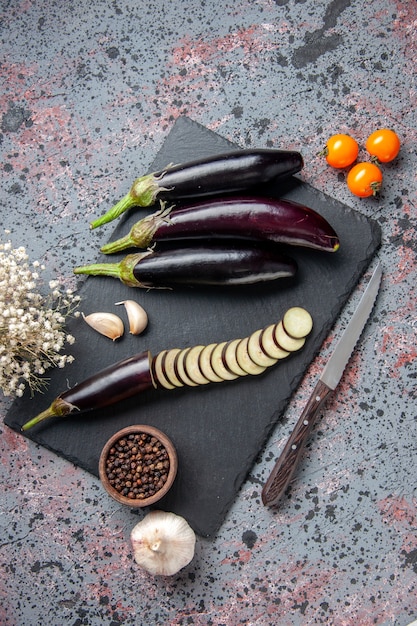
x=287 y=462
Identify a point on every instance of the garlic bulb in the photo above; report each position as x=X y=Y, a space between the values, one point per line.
x=106 y=324
x=137 y=316
x=163 y=543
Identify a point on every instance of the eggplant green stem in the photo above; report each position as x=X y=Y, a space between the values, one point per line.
x=142 y=193
x=124 y=270
x=58 y=408
x=141 y=234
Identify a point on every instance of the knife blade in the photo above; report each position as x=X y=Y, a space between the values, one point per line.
x=287 y=462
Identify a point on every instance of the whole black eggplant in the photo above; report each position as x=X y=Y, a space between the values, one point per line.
x=246 y=217
x=224 y=173
x=221 y=265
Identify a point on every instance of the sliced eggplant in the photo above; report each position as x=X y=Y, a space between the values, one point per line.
x=269 y=344
x=180 y=369
x=285 y=341
x=229 y=357
x=159 y=370
x=206 y=366
x=192 y=367
x=297 y=322
x=256 y=353
x=169 y=368
x=219 y=365
x=244 y=360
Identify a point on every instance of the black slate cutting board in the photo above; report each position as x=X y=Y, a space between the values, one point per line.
x=218 y=429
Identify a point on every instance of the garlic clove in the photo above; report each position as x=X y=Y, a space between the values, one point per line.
x=137 y=316
x=107 y=324
x=163 y=543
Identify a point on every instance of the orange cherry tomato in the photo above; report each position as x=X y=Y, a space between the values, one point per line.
x=364 y=179
x=340 y=151
x=383 y=145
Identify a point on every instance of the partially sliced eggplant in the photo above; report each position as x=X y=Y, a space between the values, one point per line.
x=169 y=370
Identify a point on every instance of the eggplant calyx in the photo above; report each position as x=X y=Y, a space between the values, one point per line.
x=145 y=190
x=142 y=193
x=58 y=408
x=124 y=270
x=140 y=235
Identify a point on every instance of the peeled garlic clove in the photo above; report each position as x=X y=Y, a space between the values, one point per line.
x=106 y=324
x=163 y=543
x=137 y=316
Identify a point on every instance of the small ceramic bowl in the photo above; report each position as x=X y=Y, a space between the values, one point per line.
x=138 y=465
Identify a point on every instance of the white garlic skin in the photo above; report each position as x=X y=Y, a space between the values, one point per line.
x=106 y=324
x=163 y=543
x=137 y=316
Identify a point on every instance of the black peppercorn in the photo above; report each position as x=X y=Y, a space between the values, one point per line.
x=137 y=466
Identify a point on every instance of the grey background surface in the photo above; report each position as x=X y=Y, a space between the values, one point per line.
x=88 y=95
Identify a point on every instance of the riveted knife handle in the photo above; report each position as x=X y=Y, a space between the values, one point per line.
x=286 y=464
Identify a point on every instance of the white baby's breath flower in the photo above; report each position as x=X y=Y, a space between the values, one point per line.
x=32 y=333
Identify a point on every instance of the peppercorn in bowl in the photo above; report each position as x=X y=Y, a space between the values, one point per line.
x=138 y=465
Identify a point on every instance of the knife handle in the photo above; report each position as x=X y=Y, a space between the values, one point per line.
x=286 y=464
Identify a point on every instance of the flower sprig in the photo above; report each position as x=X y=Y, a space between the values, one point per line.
x=32 y=326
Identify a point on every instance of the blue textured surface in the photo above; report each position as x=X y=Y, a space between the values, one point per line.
x=88 y=95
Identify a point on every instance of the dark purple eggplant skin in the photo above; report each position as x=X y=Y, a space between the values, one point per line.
x=255 y=218
x=227 y=172
x=112 y=384
x=276 y=220
x=225 y=264
x=230 y=172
